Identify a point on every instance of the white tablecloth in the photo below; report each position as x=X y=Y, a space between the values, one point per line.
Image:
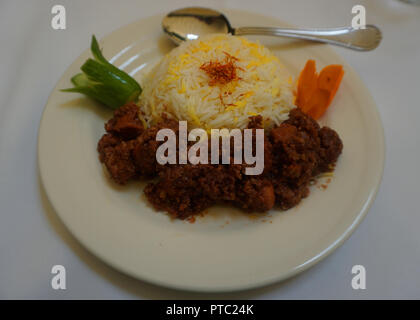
x=32 y=239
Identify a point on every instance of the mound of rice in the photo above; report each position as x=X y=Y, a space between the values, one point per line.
x=178 y=86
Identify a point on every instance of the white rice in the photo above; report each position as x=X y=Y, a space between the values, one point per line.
x=178 y=87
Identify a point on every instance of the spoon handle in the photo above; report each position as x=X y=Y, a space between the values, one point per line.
x=356 y=39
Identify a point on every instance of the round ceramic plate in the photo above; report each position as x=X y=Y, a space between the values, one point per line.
x=225 y=249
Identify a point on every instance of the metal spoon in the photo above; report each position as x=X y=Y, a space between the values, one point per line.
x=191 y=23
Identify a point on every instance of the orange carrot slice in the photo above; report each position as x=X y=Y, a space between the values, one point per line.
x=307 y=85
x=315 y=93
x=330 y=78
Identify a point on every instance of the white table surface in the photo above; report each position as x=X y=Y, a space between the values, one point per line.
x=32 y=239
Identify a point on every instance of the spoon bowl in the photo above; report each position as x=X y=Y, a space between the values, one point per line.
x=191 y=23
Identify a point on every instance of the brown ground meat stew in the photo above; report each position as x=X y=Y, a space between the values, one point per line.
x=294 y=153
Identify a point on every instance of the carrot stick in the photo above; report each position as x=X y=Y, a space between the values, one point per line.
x=306 y=85
x=330 y=78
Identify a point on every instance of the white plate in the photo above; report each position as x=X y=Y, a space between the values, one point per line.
x=226 y=249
